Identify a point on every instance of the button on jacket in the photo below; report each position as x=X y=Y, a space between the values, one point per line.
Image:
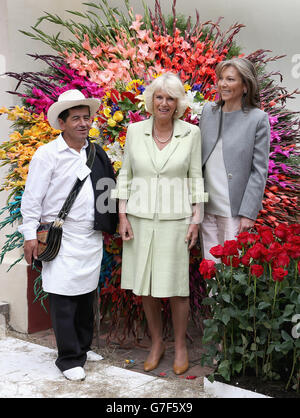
x=167 y=190
x=246 y=144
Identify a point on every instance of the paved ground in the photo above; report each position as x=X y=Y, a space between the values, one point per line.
x=27 y=370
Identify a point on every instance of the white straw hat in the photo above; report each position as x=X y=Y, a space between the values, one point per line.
x=67 y=100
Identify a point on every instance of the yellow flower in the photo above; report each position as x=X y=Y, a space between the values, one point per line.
x=20 y=183
x=12 y=149
x=112 y=123
x=3 y=110
x=187 y=87
x=121 y=140
x=2 y=154
x=117 y=165
x=94 y=132
x=118 y=116
x=107 y=112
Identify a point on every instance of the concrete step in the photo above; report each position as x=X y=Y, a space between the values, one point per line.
x=4 y=316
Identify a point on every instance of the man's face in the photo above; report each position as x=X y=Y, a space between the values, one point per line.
x=77 y=125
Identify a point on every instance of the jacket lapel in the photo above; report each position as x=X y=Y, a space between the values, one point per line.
x=148 y=139
x=214 y=134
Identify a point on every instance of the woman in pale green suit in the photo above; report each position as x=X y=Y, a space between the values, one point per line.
x=160 y=188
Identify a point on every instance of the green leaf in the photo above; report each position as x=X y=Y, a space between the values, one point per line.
x=263 y=305
x=286 y=336
x=225 y=318
x=238 y=366
x=226 y=297
x=224 y=369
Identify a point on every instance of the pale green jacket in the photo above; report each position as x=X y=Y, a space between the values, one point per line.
x=168 y=189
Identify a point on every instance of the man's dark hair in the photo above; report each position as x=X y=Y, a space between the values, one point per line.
x=65 y=113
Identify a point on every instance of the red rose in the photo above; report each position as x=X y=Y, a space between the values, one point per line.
x=257 y=270
x=230 y=247
x=292 y=250
x=267 y=237
x=217 y=251
x=295 y=228
x=258 y=251
x=282 y=231
x=246 y=259
x=294 y=239
x=245 y=238
x=235 y=261
x=279 y=274
x=282 y=260
x=272 y=252
x=207 y=268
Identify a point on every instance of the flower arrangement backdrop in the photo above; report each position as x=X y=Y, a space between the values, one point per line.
x=113 y=58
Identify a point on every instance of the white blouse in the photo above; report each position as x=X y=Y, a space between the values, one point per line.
x=216 y=183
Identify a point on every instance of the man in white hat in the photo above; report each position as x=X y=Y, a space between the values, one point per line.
x=72 y=276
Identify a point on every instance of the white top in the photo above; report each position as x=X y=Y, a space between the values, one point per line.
x=53 y=171
x=216 y=183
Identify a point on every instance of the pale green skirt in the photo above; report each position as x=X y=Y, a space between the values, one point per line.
x=156 y=261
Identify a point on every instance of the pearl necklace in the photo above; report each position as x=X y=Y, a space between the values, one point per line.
x=159 y=140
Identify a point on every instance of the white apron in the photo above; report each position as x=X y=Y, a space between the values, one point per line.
x=76 y=268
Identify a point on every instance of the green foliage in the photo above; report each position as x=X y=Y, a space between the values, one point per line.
x=252 y=322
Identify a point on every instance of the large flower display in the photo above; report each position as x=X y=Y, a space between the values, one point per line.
x=114 y=58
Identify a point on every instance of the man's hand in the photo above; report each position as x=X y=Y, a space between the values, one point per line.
x=30 y=250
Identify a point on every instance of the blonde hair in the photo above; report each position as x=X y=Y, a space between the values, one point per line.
x=171 y=84
x=248 y=75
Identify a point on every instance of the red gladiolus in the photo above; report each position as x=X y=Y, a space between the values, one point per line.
x=257 y=270
x=207 y=269
x=217 y=251
x=279 y=274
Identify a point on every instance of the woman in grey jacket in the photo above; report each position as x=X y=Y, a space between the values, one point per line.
x=235 y=153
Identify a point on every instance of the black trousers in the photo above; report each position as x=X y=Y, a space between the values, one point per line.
x=73 y=322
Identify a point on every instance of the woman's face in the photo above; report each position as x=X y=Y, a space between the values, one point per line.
x=164 y=105
x=230 y=86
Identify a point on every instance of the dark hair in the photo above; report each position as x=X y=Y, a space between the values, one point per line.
x=248 y=74
x=65 y=113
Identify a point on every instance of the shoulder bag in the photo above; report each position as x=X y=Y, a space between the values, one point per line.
x=49 y=234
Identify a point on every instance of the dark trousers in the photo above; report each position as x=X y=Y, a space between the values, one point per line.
x=73 y=322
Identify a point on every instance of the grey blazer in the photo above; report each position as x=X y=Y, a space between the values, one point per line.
x=246 y=145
